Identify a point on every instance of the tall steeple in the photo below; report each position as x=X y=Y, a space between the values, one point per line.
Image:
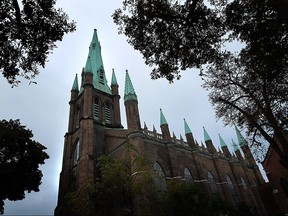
x=189 y=135
x=164 y=127
x=94 y=65
x=241 y=140
x=237 y=151
x=131 y=106
x=208 y=141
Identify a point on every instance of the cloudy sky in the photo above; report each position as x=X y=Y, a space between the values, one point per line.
x=44 y=107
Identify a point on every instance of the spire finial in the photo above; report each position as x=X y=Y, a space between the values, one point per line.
x=206 y=135
x=241 y=139
x=222 y=143
x=162 y=118
x=113 y=80
x=187 y=128
x=129 y=93
x=75 y=86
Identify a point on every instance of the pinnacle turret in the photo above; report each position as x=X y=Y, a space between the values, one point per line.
x=187 y=128
x=222 y=143
x=75 y=86
x=206 y=135
x=162 y=118
x=113 y=80
x=129 y=93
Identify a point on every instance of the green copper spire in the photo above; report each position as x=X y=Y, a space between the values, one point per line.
x=113 y=80
x=206 y=135
x=162 y=118
x=75 y=84
x=241 y=140
x=129 y=93
x=222 y=143
x=235 y=147
x=94 y=65
x=187 y=129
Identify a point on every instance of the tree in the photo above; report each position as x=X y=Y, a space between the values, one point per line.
x=247 y=88
x=28 y=33
x=171 y=36
x=20 y=157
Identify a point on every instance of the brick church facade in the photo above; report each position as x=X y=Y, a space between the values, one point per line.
x=95 y=129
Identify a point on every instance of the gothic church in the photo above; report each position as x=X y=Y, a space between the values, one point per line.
x=95 y=129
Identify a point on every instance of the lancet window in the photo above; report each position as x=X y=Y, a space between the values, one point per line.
x=232 y=190
x=212 y=183
x=188 y=175
x=76 y=153
x=96 y=109
x=160 y=180
x=107 y=113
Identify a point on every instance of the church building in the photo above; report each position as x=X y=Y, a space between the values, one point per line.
x=95 y=129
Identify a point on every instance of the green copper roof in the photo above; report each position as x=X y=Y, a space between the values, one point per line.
x=113 y=80
x=241 y=140
x=206 y=135
x=75 y=84
x=222 y=143
x=129 y=93
x=187 y=129
x=162 y=118
x=94 y=65
x=235 y=147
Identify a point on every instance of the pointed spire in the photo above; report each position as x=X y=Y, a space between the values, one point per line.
x=94 y=65
x=154 y=129
x=162 y=118
x=241 y=140
x=187 y=128
x=206 y=135
x=75 y=86
x=173 y=135
x=235 y=147
x=129 y=93
x=145 y=126
x=113 y=80
x=222 y=143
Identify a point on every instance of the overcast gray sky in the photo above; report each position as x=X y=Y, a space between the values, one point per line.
x=44 y=107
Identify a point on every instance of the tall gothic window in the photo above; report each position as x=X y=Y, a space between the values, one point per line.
x=232 y=190
x=160 y=179
x=247 y=191
x=101 y=75
x=96 y=109
x=107 y=113
x=212 y=183
x=76 y=153
x=188 y=175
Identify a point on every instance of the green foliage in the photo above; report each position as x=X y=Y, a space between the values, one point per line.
x=20 y=157
x=28 y=35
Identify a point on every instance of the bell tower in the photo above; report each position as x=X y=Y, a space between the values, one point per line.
x=94 y=107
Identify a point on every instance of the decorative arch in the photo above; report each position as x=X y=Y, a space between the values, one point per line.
x=187 y=175
x=232 y=190
x=212 y=183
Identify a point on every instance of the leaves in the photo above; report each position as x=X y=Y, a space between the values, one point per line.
x=27 y=36
x=20 y=157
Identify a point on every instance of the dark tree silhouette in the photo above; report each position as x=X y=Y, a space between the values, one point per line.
x=20 y=157
x=28 y=33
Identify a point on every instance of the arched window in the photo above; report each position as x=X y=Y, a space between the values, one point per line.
x=96 y=109
x=101 y=75
x=107 y=113
x=232 y=190
x=188 y=175
x=76 y=153
x=212 y=183
x=160 y=179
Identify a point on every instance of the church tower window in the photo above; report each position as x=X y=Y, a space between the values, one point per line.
x=77 y=123
x=107 y=113
x=76 y=153
x=96 y=109
x=232 y=190
x=187 y=175
x=212 y=183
